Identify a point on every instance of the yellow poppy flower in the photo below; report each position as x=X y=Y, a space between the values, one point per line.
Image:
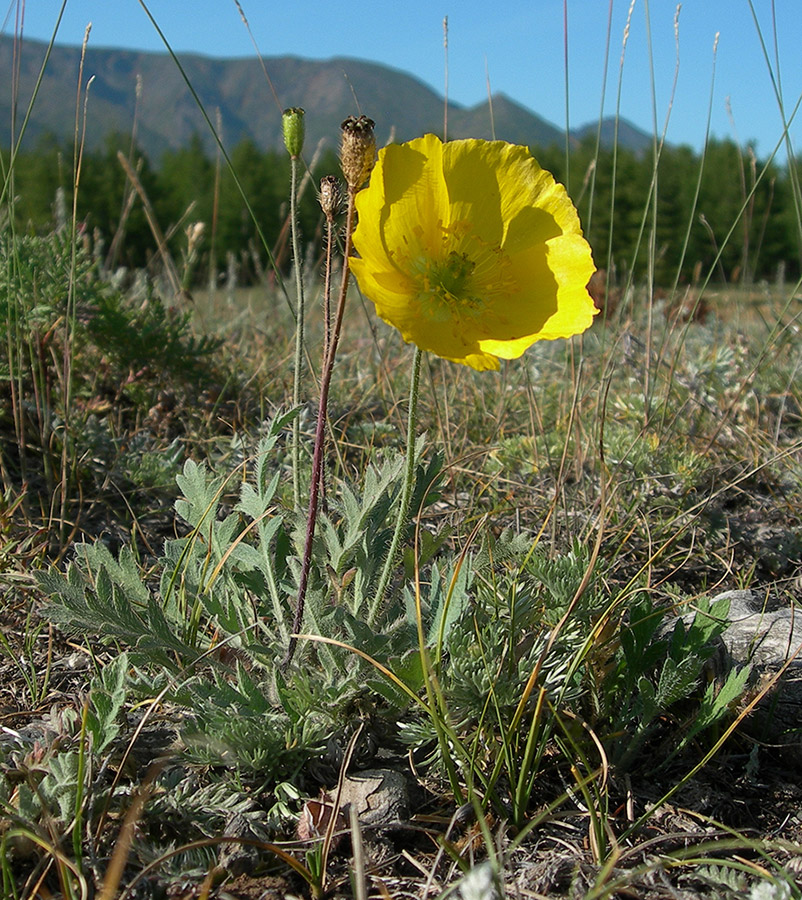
x=471 y=250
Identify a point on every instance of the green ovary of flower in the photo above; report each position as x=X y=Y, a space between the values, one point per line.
x=457 y=286
x=445 y=286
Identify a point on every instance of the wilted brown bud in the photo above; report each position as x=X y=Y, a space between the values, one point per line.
x=357 y=150
x=330 y=196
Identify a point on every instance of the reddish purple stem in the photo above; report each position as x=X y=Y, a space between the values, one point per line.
x=320 y=431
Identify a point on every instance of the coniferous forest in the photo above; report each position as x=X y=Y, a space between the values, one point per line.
x=723 y=212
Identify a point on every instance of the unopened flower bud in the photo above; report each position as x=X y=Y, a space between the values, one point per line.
x=330 y=196
x=357 y=150
x=292 y=123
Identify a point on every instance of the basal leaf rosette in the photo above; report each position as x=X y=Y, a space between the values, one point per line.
x=471 y=250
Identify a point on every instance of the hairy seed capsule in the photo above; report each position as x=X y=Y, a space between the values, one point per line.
x=330 y=196
x=357 y=150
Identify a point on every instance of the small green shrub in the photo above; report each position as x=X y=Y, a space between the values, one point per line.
x=84 y=370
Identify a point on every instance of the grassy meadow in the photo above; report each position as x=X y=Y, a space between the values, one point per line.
x=513 y=598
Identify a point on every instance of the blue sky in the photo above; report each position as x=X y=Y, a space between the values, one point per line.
x=516 y=45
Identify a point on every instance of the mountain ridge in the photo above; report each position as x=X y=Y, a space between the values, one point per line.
x=146 y=90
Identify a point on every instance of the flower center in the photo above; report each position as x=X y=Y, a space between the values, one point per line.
x=448 y=279
x=457 y=284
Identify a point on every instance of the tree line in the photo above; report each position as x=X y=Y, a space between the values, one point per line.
x=686 y=215
x=677 y=214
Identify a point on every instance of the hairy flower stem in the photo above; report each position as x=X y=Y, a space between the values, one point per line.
x=406 y=492
x=299 y=332
x=330 y=242
x=320 y=433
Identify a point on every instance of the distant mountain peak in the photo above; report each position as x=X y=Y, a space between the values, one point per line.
x=235 y=93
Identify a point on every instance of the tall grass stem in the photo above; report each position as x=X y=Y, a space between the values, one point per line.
x=67 y=465
x=223 y=152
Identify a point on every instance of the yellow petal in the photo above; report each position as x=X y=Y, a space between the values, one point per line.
x=471 y=250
